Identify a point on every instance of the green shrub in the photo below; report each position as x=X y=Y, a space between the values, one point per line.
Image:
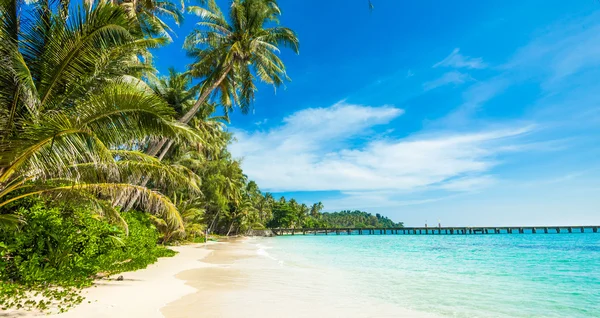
x=61 y=248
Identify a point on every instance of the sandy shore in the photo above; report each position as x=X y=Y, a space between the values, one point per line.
x=228 y=279
x=241 y=279
x=141 y=293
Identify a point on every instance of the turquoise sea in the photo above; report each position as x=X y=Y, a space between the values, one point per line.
x=517 y=275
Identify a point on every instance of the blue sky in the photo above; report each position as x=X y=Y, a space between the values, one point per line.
x=468 y=112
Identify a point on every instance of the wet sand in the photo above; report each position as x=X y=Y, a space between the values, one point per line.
x=239 y=279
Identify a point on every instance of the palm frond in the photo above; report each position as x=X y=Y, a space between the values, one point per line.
x=11 y=221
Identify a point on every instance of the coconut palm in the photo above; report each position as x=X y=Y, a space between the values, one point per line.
x=176 y=90
x=316 y=209
x=148 y=15
x=230 y=54
x=72 y=101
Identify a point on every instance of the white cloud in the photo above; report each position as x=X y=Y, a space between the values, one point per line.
x=453 y=77
x=325 y=149
x=468 y=183
x=261 y=122
x=457 y=60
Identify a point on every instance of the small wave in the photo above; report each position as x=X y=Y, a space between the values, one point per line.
x=262 y=252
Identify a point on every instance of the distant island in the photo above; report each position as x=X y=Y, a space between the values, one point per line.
x=289 y=214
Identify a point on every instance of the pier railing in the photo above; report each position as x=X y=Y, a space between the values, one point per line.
x=439 y=230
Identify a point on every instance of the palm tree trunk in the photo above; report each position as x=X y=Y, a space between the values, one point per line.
x=230 y=228
x=210 y=227
x=185 y=119
x=192 y=112
x=154 y=149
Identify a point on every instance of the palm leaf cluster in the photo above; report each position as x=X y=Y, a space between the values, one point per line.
x=149 y=14
x=71 y=96
x=83 y=115
x=230 y=54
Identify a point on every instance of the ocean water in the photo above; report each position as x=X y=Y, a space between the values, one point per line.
x=517 y=275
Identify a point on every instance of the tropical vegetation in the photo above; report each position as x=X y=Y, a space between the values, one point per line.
x=290 y=214
x=103 y=160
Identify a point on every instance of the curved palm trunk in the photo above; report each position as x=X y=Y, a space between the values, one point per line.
x=153 y=151
x=230 y=228
x=191 y=113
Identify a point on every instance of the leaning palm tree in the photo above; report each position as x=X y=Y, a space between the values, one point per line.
x=231 y=53
x=177 y=91
x=71 y=100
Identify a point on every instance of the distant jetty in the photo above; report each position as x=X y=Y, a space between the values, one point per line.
x=440 y=230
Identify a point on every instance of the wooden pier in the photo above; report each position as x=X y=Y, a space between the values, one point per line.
x=440 y=230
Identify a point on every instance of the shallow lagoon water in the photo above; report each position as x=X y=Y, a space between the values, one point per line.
x=518 y=275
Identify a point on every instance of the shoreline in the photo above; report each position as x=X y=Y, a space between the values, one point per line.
x=144 y=292
x=141 y=293
x=241 y=279
x=225 y=279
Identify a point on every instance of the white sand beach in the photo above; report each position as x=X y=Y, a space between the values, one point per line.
x=141 y=293
x=225 y=279
x=240 y=279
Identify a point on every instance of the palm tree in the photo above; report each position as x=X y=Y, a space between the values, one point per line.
x=302 y=213
x=148 y=15
x=176 y=90
x=316 y=209
x=230 y=54
x=70 y=98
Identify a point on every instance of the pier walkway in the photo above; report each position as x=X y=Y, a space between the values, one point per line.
x=440 y=230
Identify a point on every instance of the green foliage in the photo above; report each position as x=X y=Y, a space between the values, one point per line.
x=283 y=215
x=358 y=219
x=289 y=214
x=83 y=118
x=71 y=92
x=85 y=121
x=62 y=248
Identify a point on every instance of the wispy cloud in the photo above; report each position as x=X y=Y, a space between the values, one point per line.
x=261 y=122
x=381 y=199
x=457 y=60
x=474 y=97
x=453 y=77
x=324 y=149
x=563 y=61
x=564 y=49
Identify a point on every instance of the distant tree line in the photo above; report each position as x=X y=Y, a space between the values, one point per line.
x=359 y=219
x=290 y=214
